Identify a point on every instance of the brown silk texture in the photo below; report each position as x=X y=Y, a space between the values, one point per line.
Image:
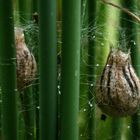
x=118 y=93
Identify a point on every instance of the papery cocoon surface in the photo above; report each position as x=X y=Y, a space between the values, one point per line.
x=118 y=90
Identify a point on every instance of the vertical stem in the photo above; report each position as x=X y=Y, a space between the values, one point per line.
x=83 y=123
x=91 y=70
x=131 y=36
x=116 y=128
x=34 y=6
x=8 y=71
x=70 y=69
x=47 y=55
x=24 y=10
x=36 y=97
x=28 y=113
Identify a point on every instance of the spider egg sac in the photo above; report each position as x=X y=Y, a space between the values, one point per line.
x=26 y=63
x=118 y=92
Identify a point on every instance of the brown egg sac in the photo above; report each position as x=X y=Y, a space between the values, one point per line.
x=118 y=92
x=26 y=64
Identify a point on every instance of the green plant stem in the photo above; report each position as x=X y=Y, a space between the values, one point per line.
x=70 y=69
x=131 y=29
x=36 y=97
x=28 y=113
x=83 y=69
x=34 y=6
x=116 y=128
x=8 y=71
x=24 y=8
x=48 y=69
x=91 y=71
